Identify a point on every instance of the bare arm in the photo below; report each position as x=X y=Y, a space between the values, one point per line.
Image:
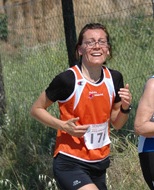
x=118 y=119
x=142 y=125
x=40 y=113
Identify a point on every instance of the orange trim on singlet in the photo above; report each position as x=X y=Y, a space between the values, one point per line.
x=92 y=104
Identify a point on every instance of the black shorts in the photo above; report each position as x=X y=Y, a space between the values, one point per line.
x=72 y=174
x=147 y=166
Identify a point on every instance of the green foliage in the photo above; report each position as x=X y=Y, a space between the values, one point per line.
x=133 y=42
x=3 y=27
x=30 y=145
x=124 y=172
x=27 y=146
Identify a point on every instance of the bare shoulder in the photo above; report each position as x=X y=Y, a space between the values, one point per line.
x=147 y=98
x=149 y=86
x=150 y=82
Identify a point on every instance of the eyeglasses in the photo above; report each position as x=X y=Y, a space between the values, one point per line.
x=101 y=43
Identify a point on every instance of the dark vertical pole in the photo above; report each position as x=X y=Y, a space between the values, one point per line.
x=153 y=7
x=70 y=30
x=2 y=96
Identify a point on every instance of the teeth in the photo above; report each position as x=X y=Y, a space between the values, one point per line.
x=96 y=54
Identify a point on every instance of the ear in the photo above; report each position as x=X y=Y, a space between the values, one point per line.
x=108 y=52
x=79 y=50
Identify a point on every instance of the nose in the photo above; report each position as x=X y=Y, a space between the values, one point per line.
x=97 y=44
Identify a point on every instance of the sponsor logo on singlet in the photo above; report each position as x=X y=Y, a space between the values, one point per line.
x=94 y=93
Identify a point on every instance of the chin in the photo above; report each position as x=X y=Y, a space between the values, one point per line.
x=98 y=62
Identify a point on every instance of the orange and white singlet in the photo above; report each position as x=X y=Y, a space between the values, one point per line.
x=92 y=103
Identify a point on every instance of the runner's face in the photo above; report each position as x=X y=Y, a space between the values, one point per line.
x=94 y=48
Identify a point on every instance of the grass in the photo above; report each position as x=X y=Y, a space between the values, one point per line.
x=27 y=146
x=124 y=172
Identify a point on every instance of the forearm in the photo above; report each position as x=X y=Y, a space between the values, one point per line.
x=46 y=118
x=120 y=120
x=145 y=129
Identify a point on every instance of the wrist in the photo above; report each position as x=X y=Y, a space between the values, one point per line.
x=125 y=111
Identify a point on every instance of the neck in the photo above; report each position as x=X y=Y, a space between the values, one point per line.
x=92 y=74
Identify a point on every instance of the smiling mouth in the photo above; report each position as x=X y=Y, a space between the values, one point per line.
x=96 y=54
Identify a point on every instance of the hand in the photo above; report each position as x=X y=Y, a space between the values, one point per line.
x=126 y=97
x=75 y=130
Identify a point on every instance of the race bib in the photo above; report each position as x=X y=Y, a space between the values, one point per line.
x=97 y=136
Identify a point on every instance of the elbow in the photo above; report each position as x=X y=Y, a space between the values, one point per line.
x=138 y=130
x=32 y=111
x=117 y=127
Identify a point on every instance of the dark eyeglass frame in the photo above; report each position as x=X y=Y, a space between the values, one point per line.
x=91 y=43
